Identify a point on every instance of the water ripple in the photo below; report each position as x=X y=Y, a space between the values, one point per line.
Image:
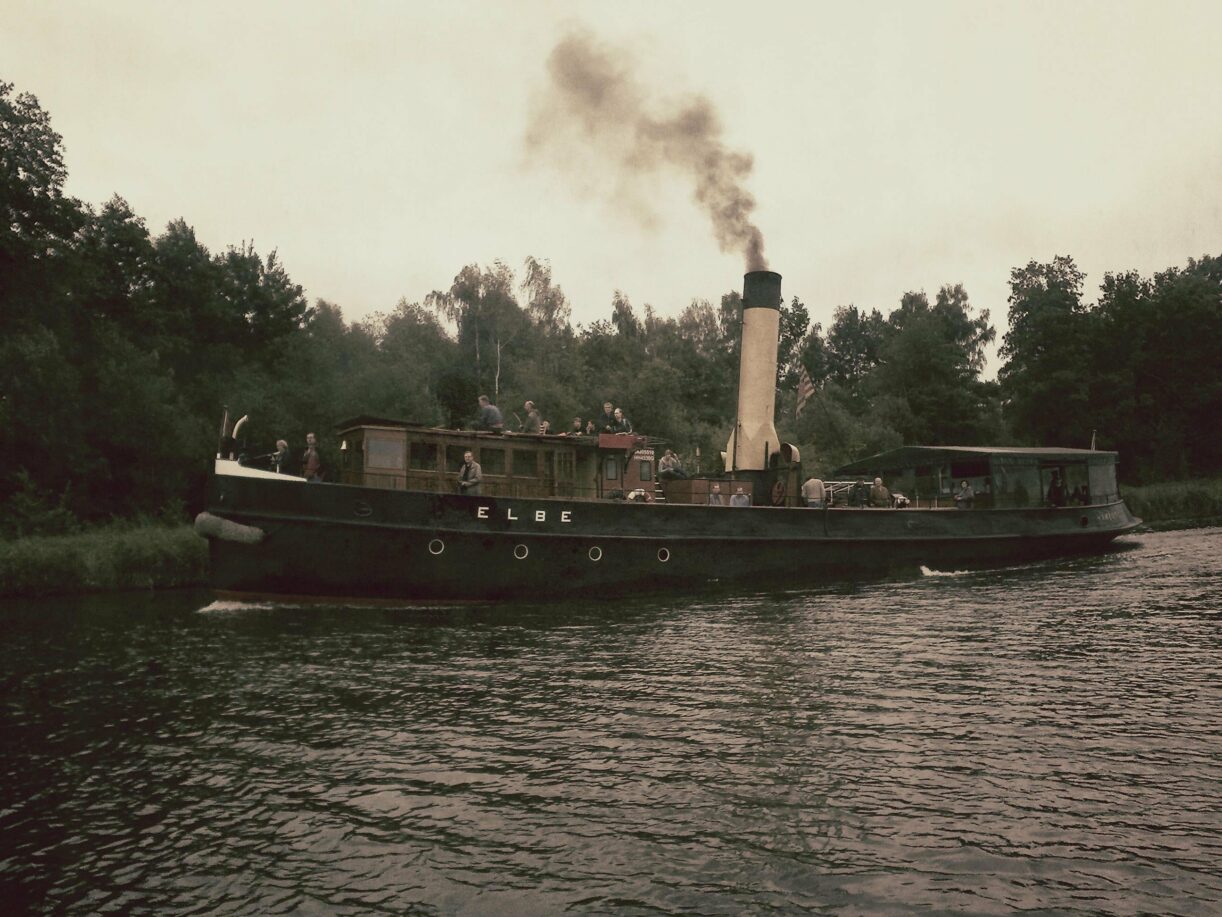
x=1043 y=737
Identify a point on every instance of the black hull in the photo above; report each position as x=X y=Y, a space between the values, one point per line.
x=361 y=543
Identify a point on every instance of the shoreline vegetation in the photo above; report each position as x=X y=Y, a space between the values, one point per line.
x=159 y=556
x=152 y=556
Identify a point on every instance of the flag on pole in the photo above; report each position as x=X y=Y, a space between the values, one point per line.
x=806 y=388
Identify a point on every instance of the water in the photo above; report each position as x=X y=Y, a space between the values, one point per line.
x=1046 y=737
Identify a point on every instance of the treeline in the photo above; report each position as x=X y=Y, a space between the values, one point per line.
x=118 y=348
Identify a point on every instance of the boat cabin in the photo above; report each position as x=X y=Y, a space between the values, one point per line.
x=400 y=455
x=1002 y=477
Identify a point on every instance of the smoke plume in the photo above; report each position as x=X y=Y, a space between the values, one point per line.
x=595 y=101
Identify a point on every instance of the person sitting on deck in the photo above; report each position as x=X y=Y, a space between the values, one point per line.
x=879 y=495
x=470 y=475
x=739 y=498
x=577 y=429
x=814 y=493
x=965 y=497
x=590 y=428
x=490 y=418
x=715 y=497
x=622 y=424
x=282 y=458
x=670 y=468
x=859 y=495
x=545 y=427
x=532 y=422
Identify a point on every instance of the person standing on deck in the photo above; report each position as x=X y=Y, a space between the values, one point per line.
x=966 y=496
x=814 y=493
x=470 y=475
x=880 y=497
x=311 y=460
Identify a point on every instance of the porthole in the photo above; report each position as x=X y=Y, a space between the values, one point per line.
x=596 y=553
x=664 y=554
x=521 y=552
x=436 y=546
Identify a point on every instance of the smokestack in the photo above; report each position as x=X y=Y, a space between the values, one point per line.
x=754 y=437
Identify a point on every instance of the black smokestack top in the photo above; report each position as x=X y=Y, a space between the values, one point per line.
x=594 y=101
x=762 y=290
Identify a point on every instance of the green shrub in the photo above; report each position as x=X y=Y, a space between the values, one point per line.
x=1176 y=501
x=151 y=557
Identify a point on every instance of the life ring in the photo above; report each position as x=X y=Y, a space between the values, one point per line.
x=778 y=493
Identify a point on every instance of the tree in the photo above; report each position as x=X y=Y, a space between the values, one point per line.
x=794 y=324
x=37 y=221
x=854 y=345
x=1045 y=375
x=929 y=365
x=488 y=318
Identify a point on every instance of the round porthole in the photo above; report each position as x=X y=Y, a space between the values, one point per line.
x=664 y=554
x=521 y=552
x=436 y=546
x=596 y=553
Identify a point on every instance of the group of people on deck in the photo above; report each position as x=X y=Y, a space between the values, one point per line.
x=310 y=466
x=611 y=420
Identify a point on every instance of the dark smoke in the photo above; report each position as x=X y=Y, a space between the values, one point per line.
x=598 y=100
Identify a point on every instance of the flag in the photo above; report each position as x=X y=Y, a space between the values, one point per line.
x=806 y=388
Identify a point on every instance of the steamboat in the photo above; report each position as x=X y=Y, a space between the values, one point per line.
x=589 y=515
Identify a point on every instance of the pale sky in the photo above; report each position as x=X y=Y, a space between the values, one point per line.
x=378 y=147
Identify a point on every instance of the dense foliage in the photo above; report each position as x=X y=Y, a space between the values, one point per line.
x=119 y=347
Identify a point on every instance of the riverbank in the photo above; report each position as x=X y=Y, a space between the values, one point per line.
x=169 y=557
x=104 y=560
x=1177 y=504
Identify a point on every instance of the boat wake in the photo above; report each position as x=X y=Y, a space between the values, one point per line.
x=222 y=606
x=926 y=571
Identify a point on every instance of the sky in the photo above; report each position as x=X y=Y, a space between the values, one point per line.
x=379 y=147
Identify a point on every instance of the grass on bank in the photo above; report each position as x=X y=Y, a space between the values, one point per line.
x=144 y=557
x=1176 y=502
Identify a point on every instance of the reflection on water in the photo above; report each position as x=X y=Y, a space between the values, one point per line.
x=1037 y=737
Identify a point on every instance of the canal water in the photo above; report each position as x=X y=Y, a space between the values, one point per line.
x=1046 y=737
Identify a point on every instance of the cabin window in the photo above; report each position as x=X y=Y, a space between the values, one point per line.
x=454 y=457
x=492 y=461
x=646 y=470
x=565 y=466
x=1103 y=487
x=384 y=452
x=1016 y=486
x=1076 y=484
x=525 y=463
x=424 y=456
x=611 y=470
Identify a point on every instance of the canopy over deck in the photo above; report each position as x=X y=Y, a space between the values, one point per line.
x=918 y=456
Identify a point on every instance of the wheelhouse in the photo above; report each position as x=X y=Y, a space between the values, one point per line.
x=399 y=455
x=1002 y=478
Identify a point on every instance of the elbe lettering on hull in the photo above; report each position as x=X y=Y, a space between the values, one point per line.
x=540 y=515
